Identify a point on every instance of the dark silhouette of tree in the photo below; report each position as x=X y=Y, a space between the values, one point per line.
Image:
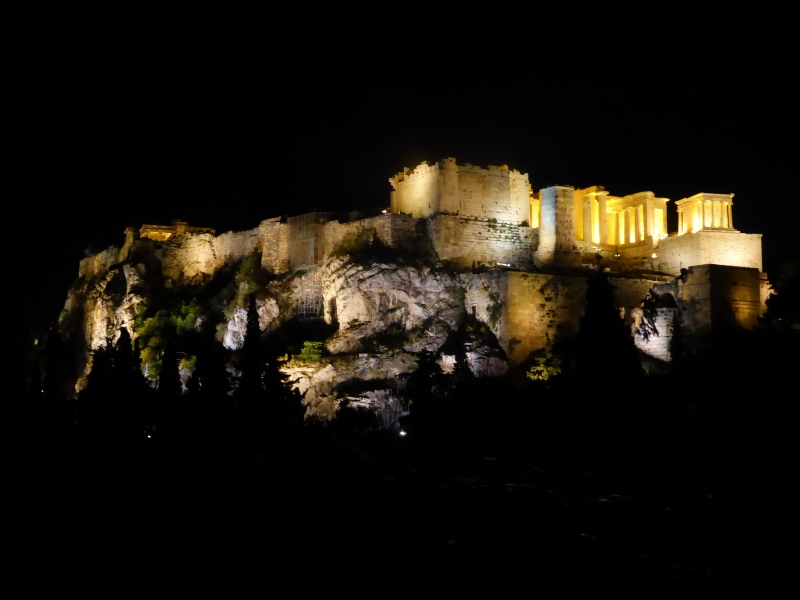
x=606 y=370
x=212 y=376
x=251 y=382
x=268 y=409
x=429 y=404
x=111 y=405
x=96 y=399
x=604 y=345
x=677 y=343
x=783 y=305
x=127 y=364
x=57 y=376
x=169 y=379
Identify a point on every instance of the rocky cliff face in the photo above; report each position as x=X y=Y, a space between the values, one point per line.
x=425 y=303
x=378 y=317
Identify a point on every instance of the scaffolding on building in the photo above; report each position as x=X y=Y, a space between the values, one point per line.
x=306 y=240
x=306 y=253
x=309 y=306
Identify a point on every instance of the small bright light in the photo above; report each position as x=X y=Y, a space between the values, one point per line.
x=383 y=211
x=149 y=437
x=402 y=432
x=655 y=255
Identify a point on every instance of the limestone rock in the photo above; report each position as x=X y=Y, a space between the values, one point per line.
x=237 y=325
x=425 y=303
x=324 y=384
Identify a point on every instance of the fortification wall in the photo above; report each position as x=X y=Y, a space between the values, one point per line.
x=539 y=306
x=187 y=256
x=391 y=229
x=485 y=296
x=469 y=242
x=716 y=295
x=335 y=232
x=416 y=191
x=524 y=309
x=629 y=292
x=557 y=243
x=710 y=247
x=735 y=296
x=656 y=344
x=274 y=245
x=95 y=264
x=236 y=245
x=492 y=193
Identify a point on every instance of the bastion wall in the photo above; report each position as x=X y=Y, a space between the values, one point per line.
x=657 y=342
x=715 y=247
x=190 y=255
x=469 y=242
x=524 y=310
x=448 y=188
x=717 y=295
x=95 y=264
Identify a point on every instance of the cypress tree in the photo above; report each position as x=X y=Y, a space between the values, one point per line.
x=604 y=344
x=251 y=385
x=169 y=379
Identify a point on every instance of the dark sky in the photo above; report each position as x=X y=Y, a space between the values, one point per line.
x=225 y=123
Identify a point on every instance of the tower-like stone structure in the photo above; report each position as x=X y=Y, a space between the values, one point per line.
x=557 y=228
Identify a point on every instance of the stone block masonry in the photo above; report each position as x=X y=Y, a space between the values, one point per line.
x=448 y=188
x=660 y=330
x=714 y=295
x=526 y=309
x=539 y=307
x=275 y=245
x=190 y=255
x=557 y=228
x=473 y=242
x=391 y=229
x=96 y=264
x=716 y=247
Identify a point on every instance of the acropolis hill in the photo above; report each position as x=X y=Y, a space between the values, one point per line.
x=515 y=258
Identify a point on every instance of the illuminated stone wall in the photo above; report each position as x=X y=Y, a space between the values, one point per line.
x=524 y=309
x=161 y=233
x=416 y=191
x=656 y=344
x=629 y=292
x=716 y=247
x=538 y=306
x=187 y=256
x=391 y=229
x=236 y=245
x=98 y=263
x=274 y=245
x=468 y=191
x=557 y=244
x=765 y=291
x=717 y=295
x=485 y=296
x=468 y=242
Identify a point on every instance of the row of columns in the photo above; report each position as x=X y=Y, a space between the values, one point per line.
x=626 y=225
x=705 y=214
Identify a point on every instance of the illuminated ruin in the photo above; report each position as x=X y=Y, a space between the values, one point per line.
x=522 y=256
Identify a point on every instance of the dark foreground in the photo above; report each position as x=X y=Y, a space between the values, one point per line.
x=381 y=514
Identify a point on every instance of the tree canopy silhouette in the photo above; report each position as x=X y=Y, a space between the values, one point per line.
x=604 y=346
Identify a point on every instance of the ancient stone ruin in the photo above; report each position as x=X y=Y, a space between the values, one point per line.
x=514 y=258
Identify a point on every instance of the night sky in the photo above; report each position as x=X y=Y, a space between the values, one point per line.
x=223 y=123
